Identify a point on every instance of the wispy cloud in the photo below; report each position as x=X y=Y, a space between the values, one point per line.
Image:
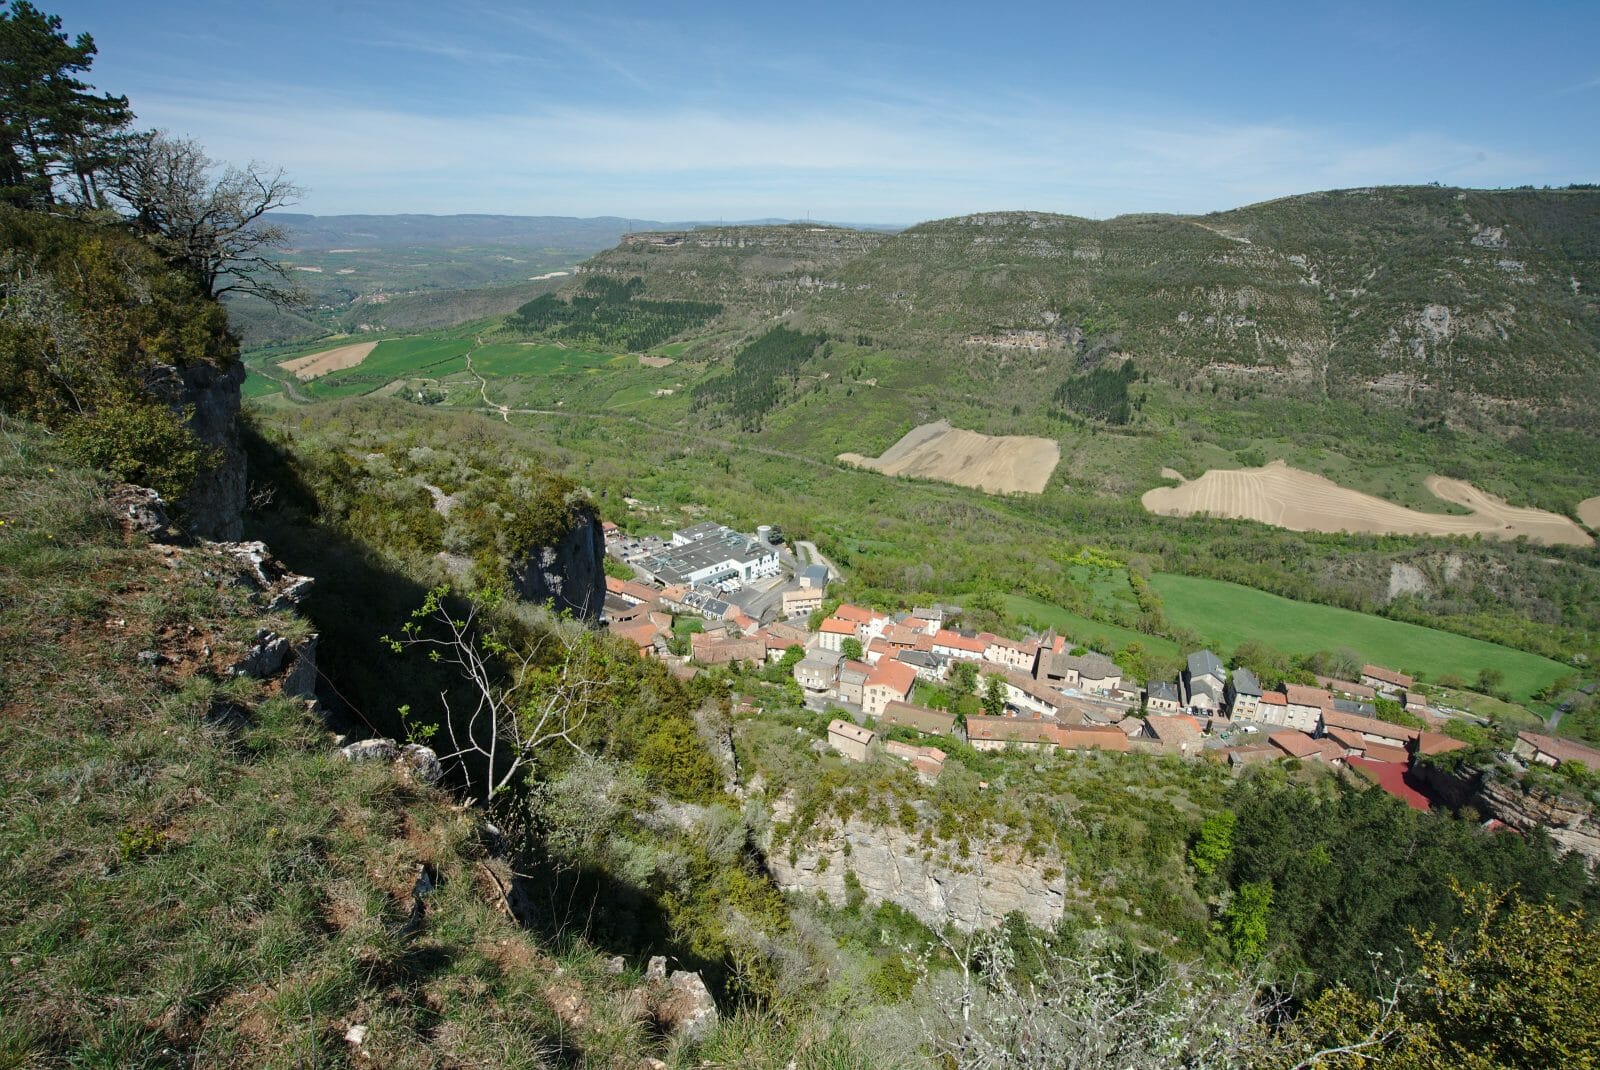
x=891 y=162
x=1592 y=83
x=471 y=54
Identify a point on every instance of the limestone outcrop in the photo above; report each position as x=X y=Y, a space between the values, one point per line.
x=935 y=884
x=1571 y=824
x=214 y=506
x=571 y=574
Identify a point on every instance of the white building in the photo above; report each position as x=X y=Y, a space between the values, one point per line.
x=711 y=553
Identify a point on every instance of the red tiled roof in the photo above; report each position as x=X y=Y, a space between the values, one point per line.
x=1274 y=698
x=837 y=626
x=1103 y=737
x=1301 y=695
x=919 y=717
x=896 y=675
x=1388 y=676
x=855 y=613
x=1347 y=687
x=1392 y=779
x=1437 y=743
x=1010 y=729
x=1371 y=726
x=957 y=641
x=1348 y=739
x=1382 y=752
x=1295 y=744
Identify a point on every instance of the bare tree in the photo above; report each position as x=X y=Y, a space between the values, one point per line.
x=211 y=222
x=524 y=699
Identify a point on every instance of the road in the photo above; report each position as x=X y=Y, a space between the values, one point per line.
x=815 y=555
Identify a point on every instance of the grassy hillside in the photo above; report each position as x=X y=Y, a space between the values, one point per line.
x=1231 y=615
x=1412 y=291
x=193 y=876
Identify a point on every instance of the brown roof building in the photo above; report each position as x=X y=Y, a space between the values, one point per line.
x=1553 y=750
x=850 y=740
x=920 y=718
x=1385 y=680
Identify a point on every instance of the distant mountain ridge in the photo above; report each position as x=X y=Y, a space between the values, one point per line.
x=586 y=233
x=1408 y=292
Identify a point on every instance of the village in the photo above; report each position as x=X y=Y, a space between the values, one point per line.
x=750 y=603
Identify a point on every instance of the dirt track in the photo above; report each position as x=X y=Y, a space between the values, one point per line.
x=329 y=360
x=1589 y=512
x=1301 y=501
x=998 y=464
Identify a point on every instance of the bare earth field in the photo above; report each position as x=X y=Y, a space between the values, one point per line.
x=329 y=360
x=1589 y=512
x=1301 y=501
x=998 y=464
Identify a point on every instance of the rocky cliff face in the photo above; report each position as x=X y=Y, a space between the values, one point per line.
x=1572 y=826
x=933 y=883
x=570 y=574
x=214 y=506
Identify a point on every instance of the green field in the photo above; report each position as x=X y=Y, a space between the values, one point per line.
x=514 y=358
x=257 y=385
x=1228 y=615
x=1104 y=637
x=396 y=358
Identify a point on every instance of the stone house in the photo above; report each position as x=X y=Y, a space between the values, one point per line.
x=952 y=644
x=997 y=733
x=1244 y=694
x=850 y=740
x=1553 y=750
x=852 y=678
x=834 y=631
x=802 y=602
x=1305 y=706
x=1273 y=708
x=1205 y=681
x=1385 y=681
x=1163 y=696
x=818 y=672
x=1020 y=657
x=891 y=681
x=1177 y=734
x=1371 y=730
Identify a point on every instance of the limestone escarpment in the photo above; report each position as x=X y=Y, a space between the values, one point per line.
x=934 y=883
x=215 y=503
x=1572 y=825
x=569 y=574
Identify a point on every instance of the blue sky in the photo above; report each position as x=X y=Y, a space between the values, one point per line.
x=885 y=112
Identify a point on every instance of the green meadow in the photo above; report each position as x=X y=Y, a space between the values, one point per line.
x=515 y=358
x=395 y=358
x=1080 y=629
x=1227 y=615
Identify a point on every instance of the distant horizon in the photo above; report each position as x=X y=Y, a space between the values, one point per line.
x=858 y=112
x=1566 y=187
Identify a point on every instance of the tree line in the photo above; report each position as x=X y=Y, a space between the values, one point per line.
x=609 y=314
x=764 y=373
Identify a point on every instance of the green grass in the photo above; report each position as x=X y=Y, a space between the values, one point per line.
x=1489 y=707
x=511 y=358
x=395 y=358
x=1226 y=615
x=1092 y=633
x=257 y=385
